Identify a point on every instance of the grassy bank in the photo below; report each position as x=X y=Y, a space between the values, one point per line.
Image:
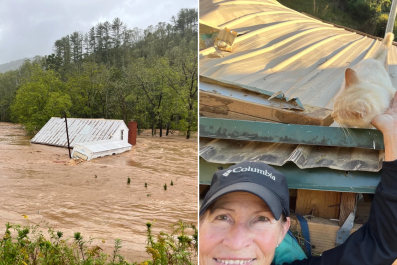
x=27 y=244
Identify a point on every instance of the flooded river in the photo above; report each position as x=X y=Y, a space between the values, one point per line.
x=42 y=182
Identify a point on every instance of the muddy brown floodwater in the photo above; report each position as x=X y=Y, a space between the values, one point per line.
x=42 y=182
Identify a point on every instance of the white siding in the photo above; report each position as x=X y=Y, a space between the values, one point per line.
x=122 y=129
x=100 y=148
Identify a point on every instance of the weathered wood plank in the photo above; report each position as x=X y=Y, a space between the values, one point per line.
x=222 y=105
x=324 y=204
x=322 y=232
x=362 y=212
x=347 y=202
x=231 y=116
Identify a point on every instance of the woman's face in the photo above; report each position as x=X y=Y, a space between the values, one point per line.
x=240 y=230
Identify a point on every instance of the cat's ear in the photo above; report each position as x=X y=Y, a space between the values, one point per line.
x=351 y=77
x=359 y=107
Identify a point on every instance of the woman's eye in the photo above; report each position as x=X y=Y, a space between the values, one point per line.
x=263 y=219
x=222 y=217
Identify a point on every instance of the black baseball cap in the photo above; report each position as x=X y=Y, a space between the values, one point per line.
x=257 y=178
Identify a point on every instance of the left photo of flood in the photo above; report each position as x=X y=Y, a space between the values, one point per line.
x=98 y=132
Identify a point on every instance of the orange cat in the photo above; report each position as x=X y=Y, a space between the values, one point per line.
x=368 y=90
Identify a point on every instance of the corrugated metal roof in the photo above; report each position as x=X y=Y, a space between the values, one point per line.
x=284 y=50
x=105 y=145
x=80 y=131
x=277 y=154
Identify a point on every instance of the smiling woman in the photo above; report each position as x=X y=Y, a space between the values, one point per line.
x=244 y=217
x=237 y=220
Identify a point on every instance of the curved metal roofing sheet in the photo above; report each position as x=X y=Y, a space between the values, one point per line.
x=280 y=49
x=304 y=156
x=284 y=50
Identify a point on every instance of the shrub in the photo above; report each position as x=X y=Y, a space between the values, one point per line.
x=26 y=244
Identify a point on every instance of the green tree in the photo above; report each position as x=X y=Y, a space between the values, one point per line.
x=111 y=72
x=40 y=99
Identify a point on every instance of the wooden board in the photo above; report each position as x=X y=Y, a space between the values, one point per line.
x=347 y=203
x=362 y=212
x=231 y=116
x=322 y=232
x=219 y=104
x=324 y=204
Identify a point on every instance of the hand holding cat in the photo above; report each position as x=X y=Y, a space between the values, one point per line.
x=387 y=124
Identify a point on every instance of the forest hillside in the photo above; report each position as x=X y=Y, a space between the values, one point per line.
x=111 y=72
x=13 y=65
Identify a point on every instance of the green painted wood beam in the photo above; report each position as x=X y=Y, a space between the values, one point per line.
x=311 y=179
x=290 y=133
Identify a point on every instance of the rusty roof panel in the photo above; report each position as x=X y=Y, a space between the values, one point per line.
x=80 y=131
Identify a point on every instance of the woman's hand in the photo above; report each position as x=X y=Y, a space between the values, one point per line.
x=387 y=124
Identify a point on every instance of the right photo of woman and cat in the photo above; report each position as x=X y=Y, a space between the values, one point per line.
x=298 y=134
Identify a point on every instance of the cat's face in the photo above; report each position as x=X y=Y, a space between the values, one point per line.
x=358 y=103
x=352 y=112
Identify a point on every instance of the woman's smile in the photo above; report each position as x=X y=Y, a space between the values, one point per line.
x=233 y=261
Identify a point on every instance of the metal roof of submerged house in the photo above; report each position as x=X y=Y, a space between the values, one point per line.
x=80 y=131
x=279 y=49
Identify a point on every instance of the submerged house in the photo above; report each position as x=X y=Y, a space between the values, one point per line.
x=80 y=131
x=89 y=138
x=270 y=100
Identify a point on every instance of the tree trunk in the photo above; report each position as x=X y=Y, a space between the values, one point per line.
x=168 y=128
x=188 y=130
x=153 y=124
x=189 y=127
x=161 y=128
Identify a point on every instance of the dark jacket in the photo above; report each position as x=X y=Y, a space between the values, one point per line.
x=376 y=241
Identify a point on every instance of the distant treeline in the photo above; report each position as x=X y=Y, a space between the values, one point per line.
x=111 y=72
x=12 y=65
x=369 y=16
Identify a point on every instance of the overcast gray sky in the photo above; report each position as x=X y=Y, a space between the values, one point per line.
x=29 y=28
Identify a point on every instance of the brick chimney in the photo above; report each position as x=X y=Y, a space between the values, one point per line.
x=132 y=127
